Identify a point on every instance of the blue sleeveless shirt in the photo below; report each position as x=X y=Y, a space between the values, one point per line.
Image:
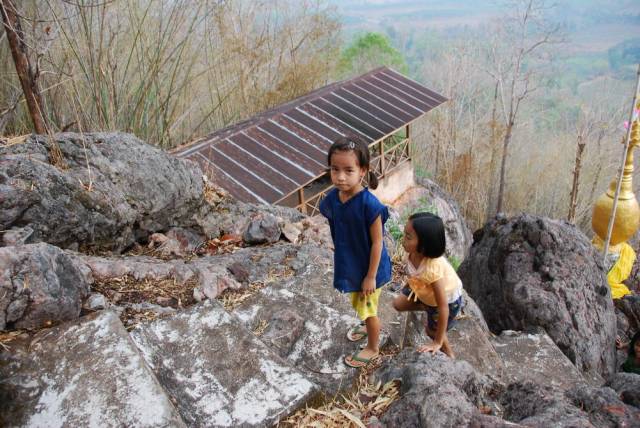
x=350 y=223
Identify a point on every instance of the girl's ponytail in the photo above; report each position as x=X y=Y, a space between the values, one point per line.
x=372 y=180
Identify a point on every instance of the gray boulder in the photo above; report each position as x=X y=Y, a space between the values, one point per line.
x=217 y=372
x=627 y=385
x=530 y=272
x=436 y=391
x=111 y=190
x=538 y=405
x=39 y=285
x=84 y=373
x=262 y=229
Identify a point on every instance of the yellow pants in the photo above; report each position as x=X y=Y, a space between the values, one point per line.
x=366 y=306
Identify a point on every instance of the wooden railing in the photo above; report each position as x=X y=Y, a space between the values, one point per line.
x=392 y=156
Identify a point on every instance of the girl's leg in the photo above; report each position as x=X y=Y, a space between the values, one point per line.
x=402 y=304
x=373 y=337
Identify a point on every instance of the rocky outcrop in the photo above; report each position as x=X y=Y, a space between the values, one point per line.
x=538 y=405
x=109 y=190
x=83 y=373
x=529 y=272
x=40 y=285
x=439 y=392
x=627 y=385
x=217 y=372
x=436 y=391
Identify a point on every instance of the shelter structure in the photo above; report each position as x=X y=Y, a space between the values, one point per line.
x=279 y=156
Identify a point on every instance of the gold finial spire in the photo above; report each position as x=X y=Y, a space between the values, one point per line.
x=627 y=218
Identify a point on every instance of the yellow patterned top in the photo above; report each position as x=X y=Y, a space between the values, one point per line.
x=421 y=280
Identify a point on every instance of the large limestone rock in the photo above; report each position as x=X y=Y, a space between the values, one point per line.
x=531 y=356
x=217 y=372
x=531 y=272
x=40 y=284
x=112 y=190
x=85 y=373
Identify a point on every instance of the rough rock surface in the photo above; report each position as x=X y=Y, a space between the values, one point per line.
x=263 y=228
x=436 y=391
x=531 y=272
x=85 y=373
x=457 y=232
x=214 y=274
x=472 y=344
x=627 y=385
x=104 y=198
x=306 y=321
x=217 y=372
x=537 y=405
x=40 y=284
x=530 y=356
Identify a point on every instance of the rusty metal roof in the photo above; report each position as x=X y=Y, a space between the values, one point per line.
x=266 y=158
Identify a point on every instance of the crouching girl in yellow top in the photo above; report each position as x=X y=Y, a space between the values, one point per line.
x=433 y=285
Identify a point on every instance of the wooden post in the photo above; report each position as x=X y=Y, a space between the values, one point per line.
x=381 y=143
x=301 y=200
x=27 y=75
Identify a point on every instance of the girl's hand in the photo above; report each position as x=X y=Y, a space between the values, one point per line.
x=431 y=347
x=368 y=286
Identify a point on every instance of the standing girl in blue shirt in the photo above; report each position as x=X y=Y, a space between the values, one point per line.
x=356 y=218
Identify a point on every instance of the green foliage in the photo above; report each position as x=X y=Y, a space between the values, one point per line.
x=369 y=51
x=396 y=227
x=455 y=262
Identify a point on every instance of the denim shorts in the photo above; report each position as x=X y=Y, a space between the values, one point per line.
x=432 y=311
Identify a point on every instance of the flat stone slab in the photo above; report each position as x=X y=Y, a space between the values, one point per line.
x=85 y=373
x=306 y=321
x=535 y=357
x=217 y=372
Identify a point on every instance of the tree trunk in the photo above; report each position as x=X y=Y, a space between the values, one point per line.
x=492 y=163
x=27 y=75
x=503 y=165
x=573 y=199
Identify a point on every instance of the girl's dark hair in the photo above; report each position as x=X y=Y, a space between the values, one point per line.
x=430 y=232
x=359 y=147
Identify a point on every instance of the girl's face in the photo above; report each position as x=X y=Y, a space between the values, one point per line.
x=346 y=174
x=410 y=239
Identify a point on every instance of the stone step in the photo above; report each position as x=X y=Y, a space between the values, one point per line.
x=535 y=357
x=217 y=372
x=82 y=373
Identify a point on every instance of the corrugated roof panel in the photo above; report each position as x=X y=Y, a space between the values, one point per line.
x=376 y=111
x=274 y=159
x=272 y=154
x=376 y=100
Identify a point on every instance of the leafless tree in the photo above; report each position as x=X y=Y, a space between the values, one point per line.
x=520 y=49
x=28 y=73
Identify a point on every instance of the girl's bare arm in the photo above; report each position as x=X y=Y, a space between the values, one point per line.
x=375 y=232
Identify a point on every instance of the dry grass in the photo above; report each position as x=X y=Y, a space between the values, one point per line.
x=357 y=407
x=128 y=290
x=231 y=299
